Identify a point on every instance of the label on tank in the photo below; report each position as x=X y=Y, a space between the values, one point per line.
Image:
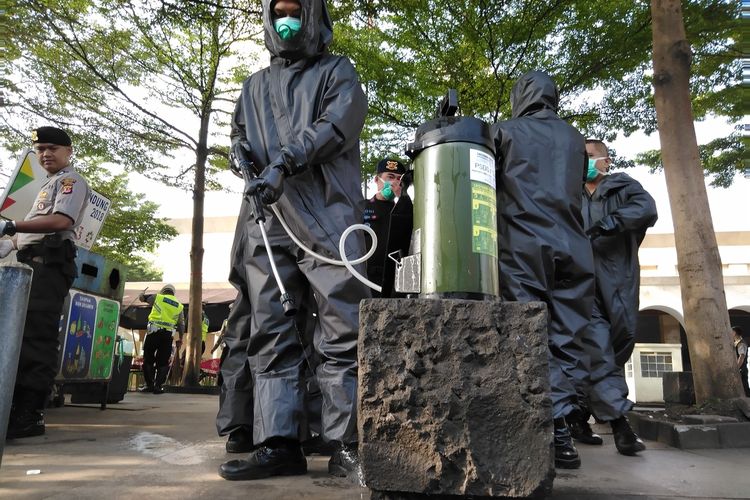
x=483 y=203
x=482 y=167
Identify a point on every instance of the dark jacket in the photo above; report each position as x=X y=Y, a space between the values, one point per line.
x=541 y=167
x=616 y=256
x=544 y=253
x=306 y=110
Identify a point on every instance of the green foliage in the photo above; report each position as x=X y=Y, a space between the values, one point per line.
x=722 y=158
x=145 y=84
x=409 y=53
x=131 y=226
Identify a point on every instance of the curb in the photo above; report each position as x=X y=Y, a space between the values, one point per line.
x=691 y=436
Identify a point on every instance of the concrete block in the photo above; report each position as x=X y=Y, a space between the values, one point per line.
x=691 y=437
x=645 y=426
x=678 y=387
x=453 y=398
x=734 y=435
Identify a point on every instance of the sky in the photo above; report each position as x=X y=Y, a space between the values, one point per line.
x=724 y=202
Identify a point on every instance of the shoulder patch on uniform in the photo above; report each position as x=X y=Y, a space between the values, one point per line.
x=67 y=185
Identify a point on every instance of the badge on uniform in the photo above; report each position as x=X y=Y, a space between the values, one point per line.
x=67 y=185
x=391 y=165
x=40 y=206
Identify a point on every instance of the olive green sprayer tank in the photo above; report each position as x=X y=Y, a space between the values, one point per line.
x=455 y=209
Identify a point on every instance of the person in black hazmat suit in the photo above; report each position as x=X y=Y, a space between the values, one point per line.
x=544 y=253
x=617 y=211
x=299 y=120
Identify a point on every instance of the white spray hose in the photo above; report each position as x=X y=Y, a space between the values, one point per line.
x=342 y=249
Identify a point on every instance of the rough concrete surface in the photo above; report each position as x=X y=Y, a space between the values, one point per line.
x=452 y=397
x=165 y=447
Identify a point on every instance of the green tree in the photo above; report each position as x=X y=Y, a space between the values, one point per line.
x=146 y=84
x=409 y=53
x=131 y=227
x=698 y=262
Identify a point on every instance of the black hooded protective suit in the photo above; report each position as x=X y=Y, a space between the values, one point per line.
x=610 y=338
x=544 y=253
x=305 y=111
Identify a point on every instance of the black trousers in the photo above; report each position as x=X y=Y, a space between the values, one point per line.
x=37 y=364
x=157 y=348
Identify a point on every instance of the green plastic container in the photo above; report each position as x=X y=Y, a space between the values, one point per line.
x=455 y=209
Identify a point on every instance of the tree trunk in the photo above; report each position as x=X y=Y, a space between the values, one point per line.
x=698 y=261
x=191 y=370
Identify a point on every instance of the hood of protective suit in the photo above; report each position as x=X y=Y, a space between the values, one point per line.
x=533 y=92
x=313 y=38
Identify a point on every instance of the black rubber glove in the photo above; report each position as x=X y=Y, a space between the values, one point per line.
x=603 y=227
x=7 y=227
x=269 y=184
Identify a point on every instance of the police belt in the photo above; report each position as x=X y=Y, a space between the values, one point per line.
x=51 y=250
x=158 y=326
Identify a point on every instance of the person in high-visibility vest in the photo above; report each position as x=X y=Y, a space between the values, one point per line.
x=166 y=316
x=204 y=329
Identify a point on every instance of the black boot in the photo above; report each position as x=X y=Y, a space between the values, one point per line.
x=276 y=457
x=626 y=441
x=240 y=441
x=25 y=422
x=160 y=378
x=566 y=455
x=148 y=378
x=317 y=446
x=345 y=463
x=580 y=430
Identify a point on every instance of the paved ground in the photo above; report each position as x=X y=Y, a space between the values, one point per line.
x=166 y=447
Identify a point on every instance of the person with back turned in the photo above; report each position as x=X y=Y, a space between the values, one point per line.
x=165 y=318
x=44 y=240
x=544 y=252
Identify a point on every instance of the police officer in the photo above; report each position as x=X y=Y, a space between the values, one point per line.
x=389 y=214
x=45 y=242
x=165 y=316
x=204 y=328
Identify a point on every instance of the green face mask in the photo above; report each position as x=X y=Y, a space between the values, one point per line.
x=593 y=172
x=287 y=27
x=387 y=192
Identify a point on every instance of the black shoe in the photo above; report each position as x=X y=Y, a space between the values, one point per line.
x=286 y=460
x=345 y=463
x=146 y=388
x=25 y=423
x=626 y=441
x=240 y=441
x=316 y=446
x=566 y=455
x=581 y=431
x=158 y=389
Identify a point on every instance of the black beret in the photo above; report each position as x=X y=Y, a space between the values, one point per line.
x=50 y=135
x=389 y=165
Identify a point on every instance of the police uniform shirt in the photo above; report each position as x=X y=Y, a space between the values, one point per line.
x=65 y=192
